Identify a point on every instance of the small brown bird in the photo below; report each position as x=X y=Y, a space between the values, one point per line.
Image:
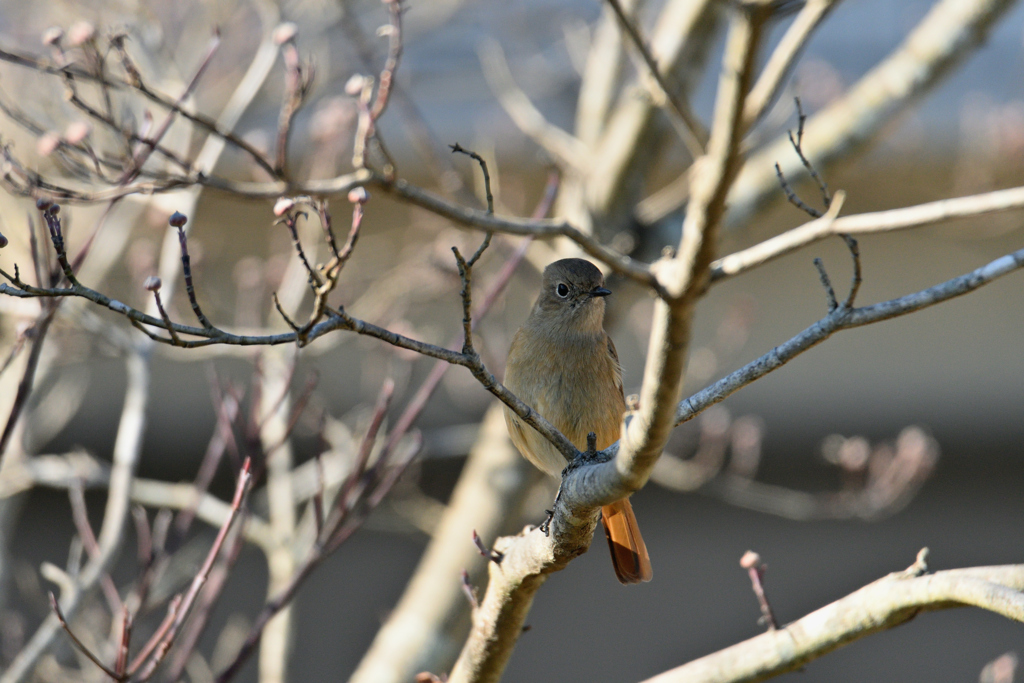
x=563 y=364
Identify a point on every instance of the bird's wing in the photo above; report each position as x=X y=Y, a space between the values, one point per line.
x=618 y=367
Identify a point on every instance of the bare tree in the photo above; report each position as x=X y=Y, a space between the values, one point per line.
x=131 y=141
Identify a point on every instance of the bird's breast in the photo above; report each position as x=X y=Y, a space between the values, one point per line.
x=574 y=382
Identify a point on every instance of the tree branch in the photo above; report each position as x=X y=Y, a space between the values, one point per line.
x=695 y=137
x=879 y=221
x=527 y=559
x=950 y=31
x=884 y=604
x=565 y=149
x=127 y=447
x=774 y=73
x=844 y=318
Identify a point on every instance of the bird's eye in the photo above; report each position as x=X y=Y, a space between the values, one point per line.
x=562 y=290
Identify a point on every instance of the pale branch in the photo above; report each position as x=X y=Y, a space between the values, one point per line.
x=600 y=75
x=843 y=318
x=695 y=137
x=529 y=558
x=567 y=151
x=950 y=32
x=65 y=471
x=681 y=41
x=781 y=61
x=272 y=405
x=866 y=223
x=207 y=507
x=884 y=604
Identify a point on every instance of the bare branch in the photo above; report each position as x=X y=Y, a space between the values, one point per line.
x=566 y=150
x=866 y=223
x=830 y=294
x=78 y=643
x=697 y=136
x=531 y=556
x=844 y=318
x=884 y=604
x=774 y=73
x=950 y=32
x=189 y=598
x=126 y=453
x=751 y=561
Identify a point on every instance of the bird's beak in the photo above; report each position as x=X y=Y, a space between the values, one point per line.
x=600 y=291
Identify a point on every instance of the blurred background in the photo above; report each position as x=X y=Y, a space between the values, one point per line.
x=954 y=371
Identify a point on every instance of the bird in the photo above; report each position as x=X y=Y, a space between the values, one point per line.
x=563 y=364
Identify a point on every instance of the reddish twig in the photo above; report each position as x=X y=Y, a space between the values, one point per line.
x=80 y=516
x=470 y=591
x=121 y=665
x=387 y=74
x=751 y=561
x=201 y=615
x=298 y=80
x=227 y=414
x=157 y=637
x=334 y=532
x=148 y=144
x=491 y=555
x=78 y=643
x=200 y=579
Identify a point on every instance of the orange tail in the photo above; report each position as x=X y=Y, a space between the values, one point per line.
x=629 y=554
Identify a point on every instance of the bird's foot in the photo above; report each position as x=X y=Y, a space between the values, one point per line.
x=545 y=526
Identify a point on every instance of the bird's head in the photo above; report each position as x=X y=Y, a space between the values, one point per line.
x=572 y=296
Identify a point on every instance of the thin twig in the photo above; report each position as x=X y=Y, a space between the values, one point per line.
x=459 y=149
x=827 y=285
x=78 y=643
x=169 y=326
x=201 y=577
x=856 y=279
x=792 y=196
x=751 y=561
x=298 y=80
x=178 y=220
x=798 y=146
x=80 y=515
